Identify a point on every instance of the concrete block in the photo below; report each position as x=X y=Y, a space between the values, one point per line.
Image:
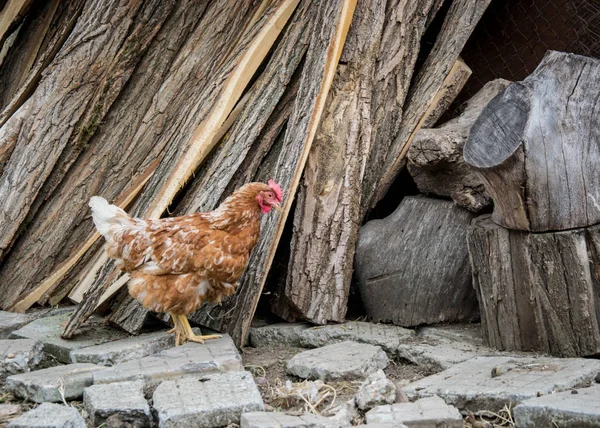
x=569 y=409
x=46 y=384
x=48 y=331
x=340 y=361
x=191 y=359
x=282 y=420
x=213 y=401
x=50 y=415
x=489 y=383
x=386 y=336
x=119 y=351
x=125 y=399
x=376 y=390
x=11 y=321
x=281 y=334
x=426 y=412
x=19 y=356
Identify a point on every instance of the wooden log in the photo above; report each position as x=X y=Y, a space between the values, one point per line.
x=461 y=19
x=327 y=212
x=436 y=155
x=327 y=41
x=91 y=71
x=422 y=275
x=537 y=291
x=193 y=135
x=537 y=147
x=11 y=15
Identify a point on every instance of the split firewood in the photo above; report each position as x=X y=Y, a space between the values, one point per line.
x=436 y=155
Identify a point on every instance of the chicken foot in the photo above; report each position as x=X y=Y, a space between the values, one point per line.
x=183 y=331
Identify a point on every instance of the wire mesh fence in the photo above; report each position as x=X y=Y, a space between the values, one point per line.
x=513 y=36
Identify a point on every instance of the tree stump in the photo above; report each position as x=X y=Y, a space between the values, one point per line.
x=537 y=147
x=537 y=291
x=413 y=267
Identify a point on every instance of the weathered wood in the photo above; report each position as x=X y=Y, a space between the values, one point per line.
x=90 y=71
x=327 y=41
x=11 y=15
x=413 y=266
x=461 y=19
x=436 y=155
x=537 y=147
x=193 y=134
x=328 y=202
x=537 y=291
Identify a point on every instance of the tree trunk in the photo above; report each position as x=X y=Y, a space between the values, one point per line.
x=537 y=147
x=537 y=291
x=436 y=155
x=460 y=21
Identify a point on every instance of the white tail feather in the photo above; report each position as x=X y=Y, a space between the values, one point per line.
x=106 y=215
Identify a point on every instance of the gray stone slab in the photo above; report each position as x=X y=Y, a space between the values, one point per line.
x=426 y=412
x=125 y=399
x=340 y=361
x=48 y=331
x=376 y=390
x=282 y=420
x=489 y=383
x=49 y=415
x=10 y=321
x=281 y=334
x=468 y=333
x=19 y=356
x=386 y=336
x=213 y=401
x=191 y=359
x=569 y=409
x=119 y=351
x=46 y=384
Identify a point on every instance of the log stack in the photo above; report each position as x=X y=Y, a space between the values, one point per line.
x=166 y=107
x=536 y=259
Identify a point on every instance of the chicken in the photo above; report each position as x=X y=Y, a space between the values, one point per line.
x=178 y=263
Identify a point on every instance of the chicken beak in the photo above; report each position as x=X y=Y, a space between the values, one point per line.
x=278 y=207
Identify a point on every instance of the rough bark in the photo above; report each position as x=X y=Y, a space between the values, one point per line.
x=327 y=212
x=537 y=147
x=70 y=101
x=436 y=155
x=460 y=21
x=331 y=27
x=537 y=291
x=206 y=106
x=11 y=16
x=422 y=275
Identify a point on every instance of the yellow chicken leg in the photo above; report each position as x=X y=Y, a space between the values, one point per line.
x=188 y=334
x=177 y=329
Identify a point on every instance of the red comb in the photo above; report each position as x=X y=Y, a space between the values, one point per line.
x=276 y=188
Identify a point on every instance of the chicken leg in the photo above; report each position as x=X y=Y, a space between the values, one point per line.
x=183 y=331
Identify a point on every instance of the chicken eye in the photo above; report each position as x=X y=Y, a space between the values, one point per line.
x=269 y=195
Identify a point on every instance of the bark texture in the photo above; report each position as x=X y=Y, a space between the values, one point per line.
x=537 y=147
x=436 y=155
x=537 y=291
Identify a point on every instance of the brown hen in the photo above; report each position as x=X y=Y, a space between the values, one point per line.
x=178 y=263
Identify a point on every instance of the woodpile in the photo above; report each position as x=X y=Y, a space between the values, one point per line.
x=535 y=261
x=166 y=107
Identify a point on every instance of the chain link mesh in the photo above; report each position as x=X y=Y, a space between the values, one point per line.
x=513 y=36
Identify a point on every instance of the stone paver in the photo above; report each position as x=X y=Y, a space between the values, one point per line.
x=48 y=331
x=119 y=351
x=282 y=420
x=191 y=359
x=50 y=415
x=488 y=383
x=376 y=390
x=281 y=334
x=386 y=336
x=9 y=411
x=340 y=361
x=213 y=401
x=19 y=356
x=568 y=409
x=11 y=321
x=46 y=384
x=125 y=399
x=426 y=412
